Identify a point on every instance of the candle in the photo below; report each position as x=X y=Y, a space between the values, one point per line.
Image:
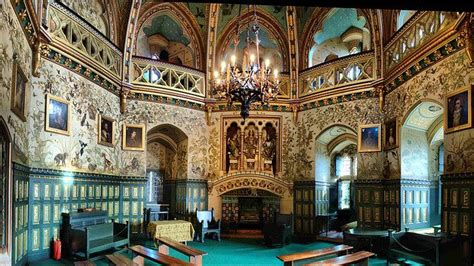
x=222 y=66
x=216 y=74
x=275 y=73
x=232 y=59
x=252 y=58
x=267 y=63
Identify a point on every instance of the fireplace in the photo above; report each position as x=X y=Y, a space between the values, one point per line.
x=248 y=208
x=250 y=211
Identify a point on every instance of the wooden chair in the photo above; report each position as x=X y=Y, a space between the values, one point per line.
x=155 y=256
x=195 y=256
x=361 y=258
x=291 y=259
x=279 y=231
x=206 y=223
x=417 y=247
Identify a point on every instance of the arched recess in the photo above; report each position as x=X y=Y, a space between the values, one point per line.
x=6 y=186
x=182 y=40
x=249 y=207
x=421 y=158
x=335 y=162
x=331 y=140
x=274 y=39
x=424 y=118
x=367 y=34
x=167 y=159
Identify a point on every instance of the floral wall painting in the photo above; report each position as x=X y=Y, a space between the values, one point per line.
x=106 y=130
x=459 y=109
x=18 y=97
x=58 y=115
x=133 y=137
x=391 y=136
x=369 y=138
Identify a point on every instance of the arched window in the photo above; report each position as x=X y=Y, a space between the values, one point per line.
x=343 y=165
x=441 y=158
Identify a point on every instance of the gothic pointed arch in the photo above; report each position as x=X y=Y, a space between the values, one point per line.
x=315 y=24
x=185 y=20
x=268 y=25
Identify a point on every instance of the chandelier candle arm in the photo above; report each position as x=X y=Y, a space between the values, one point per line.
x=250 y=83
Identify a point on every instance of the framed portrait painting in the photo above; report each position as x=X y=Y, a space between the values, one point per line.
x=369 y=138
x=58 y=115
x=133 y=137
x=458 y=106
x=18 y=92
x=390 y=135
x=106 y=129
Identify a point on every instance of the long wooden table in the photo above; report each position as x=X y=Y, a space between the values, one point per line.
x=177 y=230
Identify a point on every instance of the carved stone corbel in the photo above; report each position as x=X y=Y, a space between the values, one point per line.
x=208 y=114
x=295 y=109
x=36 y=58
x=470 y=40
x=466 y=38
x=380 y=91
x=123 y=99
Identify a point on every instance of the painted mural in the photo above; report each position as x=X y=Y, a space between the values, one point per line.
x=191 y=122
x=432 y=84
x=92 y=11
x=312 y=122
x=78 y=151
x=13 y=46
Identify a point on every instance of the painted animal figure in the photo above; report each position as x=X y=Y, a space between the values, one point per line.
x=107 y=163
x=60 y=159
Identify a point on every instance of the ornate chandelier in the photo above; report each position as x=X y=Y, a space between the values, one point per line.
x=252 y=81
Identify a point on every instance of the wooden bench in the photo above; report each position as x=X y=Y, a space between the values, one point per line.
x=84 y=233
x=155 y=256
x=290 y=259
x=101 y=237
x=120 y=260
x=195 y=256
x=361 y=258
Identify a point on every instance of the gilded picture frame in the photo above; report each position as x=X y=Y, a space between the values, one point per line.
x=458 y=109
x=133 y=137
x=369 y=138
x=57 y=115
x=18 y=91
x=391 y=134
x=105 y=130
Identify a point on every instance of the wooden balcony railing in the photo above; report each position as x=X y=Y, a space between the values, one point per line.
x=341 y=72
x=419 y=30
x=74 y=35
x=167 y=76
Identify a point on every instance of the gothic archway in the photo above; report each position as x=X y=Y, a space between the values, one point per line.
x=5 y=187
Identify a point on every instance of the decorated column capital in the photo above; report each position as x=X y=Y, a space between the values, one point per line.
x=124 y=93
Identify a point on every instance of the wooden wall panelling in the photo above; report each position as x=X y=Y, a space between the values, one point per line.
x=42 y=195
x=304 y=206
x=457 y=215
x=369 y=203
